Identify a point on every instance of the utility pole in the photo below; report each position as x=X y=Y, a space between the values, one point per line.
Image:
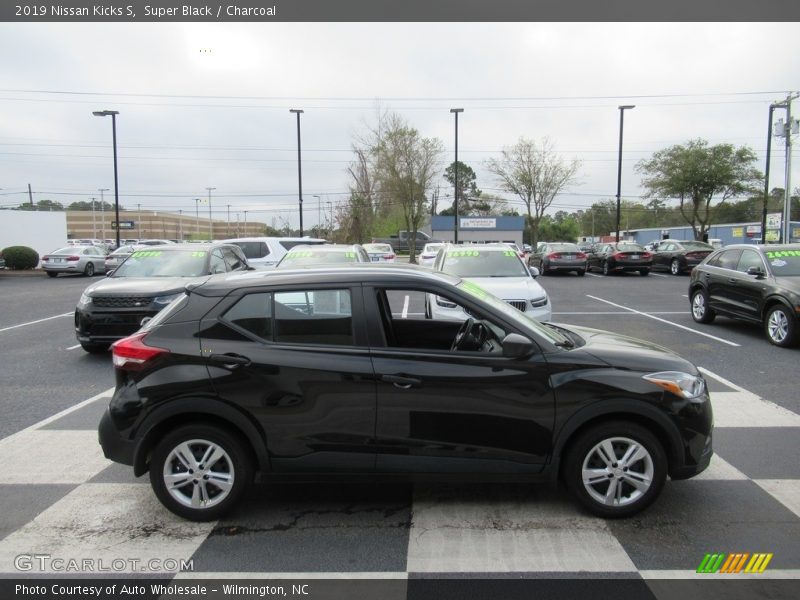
x=102 y=213
x=197 y=217
x=30 y=194
x=210 y=222
x=786 y=130
x=245 y=223
x=94 y=225
x=138 y=222
x=180 y=224
x=228 y=231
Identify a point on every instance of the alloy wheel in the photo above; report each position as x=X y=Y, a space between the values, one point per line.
x=778 y=326
x=198 y=474
x=617 y=471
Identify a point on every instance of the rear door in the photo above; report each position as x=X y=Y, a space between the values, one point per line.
x=297 y=359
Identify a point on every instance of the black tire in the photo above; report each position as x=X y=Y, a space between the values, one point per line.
x=780 y=326
x=581 y=273
x=89 y=269
x=235 y=463
x=675 y=267
x=51 y=274
x=621 y=436
x=606 y=268
x=94 y=348
x=644 y=272
x=698 y=304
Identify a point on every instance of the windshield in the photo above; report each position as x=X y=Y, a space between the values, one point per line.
x=164 y=263
x=318 y=257
x=630 y=247
x=431 y=248
x=510 y=313
x=378 y=248
x=484 y=263
x=784 y=263
x=69 y=250
x=562 y=248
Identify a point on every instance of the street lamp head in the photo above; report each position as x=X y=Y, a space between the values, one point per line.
x=295 y=110
x=105 y=113
x=626 y=106
x=456 y=110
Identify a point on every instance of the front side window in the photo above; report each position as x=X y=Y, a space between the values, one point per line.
x=750 y=258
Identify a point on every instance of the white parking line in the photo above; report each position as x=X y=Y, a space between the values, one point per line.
x=620 y=312
x=723 y=381
x=405 y=308
x=69 y=314
x=593 y=275
x=73 y=347
x=649 y=316
x=658 y=275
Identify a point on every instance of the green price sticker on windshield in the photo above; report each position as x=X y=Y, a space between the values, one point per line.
x=198 y=253
x=782 y=253
x=350 y=254
x=300 y=254
x=146 y=253
x=463 y=254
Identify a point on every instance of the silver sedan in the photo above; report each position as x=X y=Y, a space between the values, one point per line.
x=75 y=259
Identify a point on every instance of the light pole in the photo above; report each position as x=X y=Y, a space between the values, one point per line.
x=228 y=232
x=772 y=108
x=103 y=212
x=210 y=222
x=245 y=223
x=298 y=112
x=138 y=222
x=330 y=209
x=113 y=114
x=619 y=161
x=197 y=217
x=180 y=223
x=455 y=111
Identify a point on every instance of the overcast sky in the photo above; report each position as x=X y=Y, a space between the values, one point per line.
x=207 y=105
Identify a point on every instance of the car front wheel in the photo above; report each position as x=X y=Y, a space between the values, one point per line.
x=52 y=274
x=700 y=310
x=616 y=469
x=606 y=268
x=89 y=270
x=199 y=472
x=675 y=267
x=780 y=326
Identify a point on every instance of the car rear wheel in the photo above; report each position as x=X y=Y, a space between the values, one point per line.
x=606 y=268
x=52 y=274
x=644 y=272
x=199 y=472
x=780 y=326
x=616 y=469
x=700 y=310
x=675 y=267
x=581 y=273
x=89 y=270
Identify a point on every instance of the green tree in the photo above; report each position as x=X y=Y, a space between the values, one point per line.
x=536 y=174
x=697 y=174
x=467 y=192
x=43 y=205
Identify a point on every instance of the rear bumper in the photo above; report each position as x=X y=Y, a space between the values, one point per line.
x=115 y=448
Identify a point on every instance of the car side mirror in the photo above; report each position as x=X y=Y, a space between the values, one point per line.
x=517 y=346
x=755 y=271
x=534 y=272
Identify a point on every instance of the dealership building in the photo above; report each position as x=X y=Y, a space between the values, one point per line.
x=476 y=230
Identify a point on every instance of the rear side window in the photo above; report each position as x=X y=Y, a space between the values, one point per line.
x=727 y=259
x=172 y=308
x=253 y=313
x=254 y=249
x=298 y=317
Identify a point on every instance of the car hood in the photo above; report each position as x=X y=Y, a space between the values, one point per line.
x=141 y=286
x=510 y=288
x=791 y=283
x=630 y=353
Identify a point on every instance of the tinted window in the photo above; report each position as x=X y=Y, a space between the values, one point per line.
x=750 y=258
x=314 y=317
x=696 y=246
x=629 y=247
x=784 y=262
x=253 y=313
x=561 y=248
x=726 y=260
x=288 y=245
x=254 y=249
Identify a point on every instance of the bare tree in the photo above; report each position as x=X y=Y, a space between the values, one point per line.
x=536 y=174
x=406 y=165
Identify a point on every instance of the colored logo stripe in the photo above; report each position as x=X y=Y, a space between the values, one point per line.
x=734 y=563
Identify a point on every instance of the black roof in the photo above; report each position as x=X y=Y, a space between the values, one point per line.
x=401 y=274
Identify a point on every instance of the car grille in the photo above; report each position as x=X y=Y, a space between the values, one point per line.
x=518 y=304
x=121 y=301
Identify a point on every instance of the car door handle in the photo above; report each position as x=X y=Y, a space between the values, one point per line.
x=231 y=360
x=400 y=381
x=732 y=280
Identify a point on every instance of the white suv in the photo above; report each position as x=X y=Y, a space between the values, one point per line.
x=495 y=268
x=266 y=252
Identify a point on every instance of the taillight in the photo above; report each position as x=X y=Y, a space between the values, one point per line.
x=73 y=258
x=618 y=255
x=390 y=257
x=647 y=255
x=554 y=255
x=581 y=255
x=45 y=258
x=131 y=353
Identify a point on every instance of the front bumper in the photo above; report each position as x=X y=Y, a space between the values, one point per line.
x=108 y=325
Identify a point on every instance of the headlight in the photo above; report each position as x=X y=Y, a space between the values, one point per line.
x=680 y=384
x=539 y=302
x=85 y=299
x=162 y=301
